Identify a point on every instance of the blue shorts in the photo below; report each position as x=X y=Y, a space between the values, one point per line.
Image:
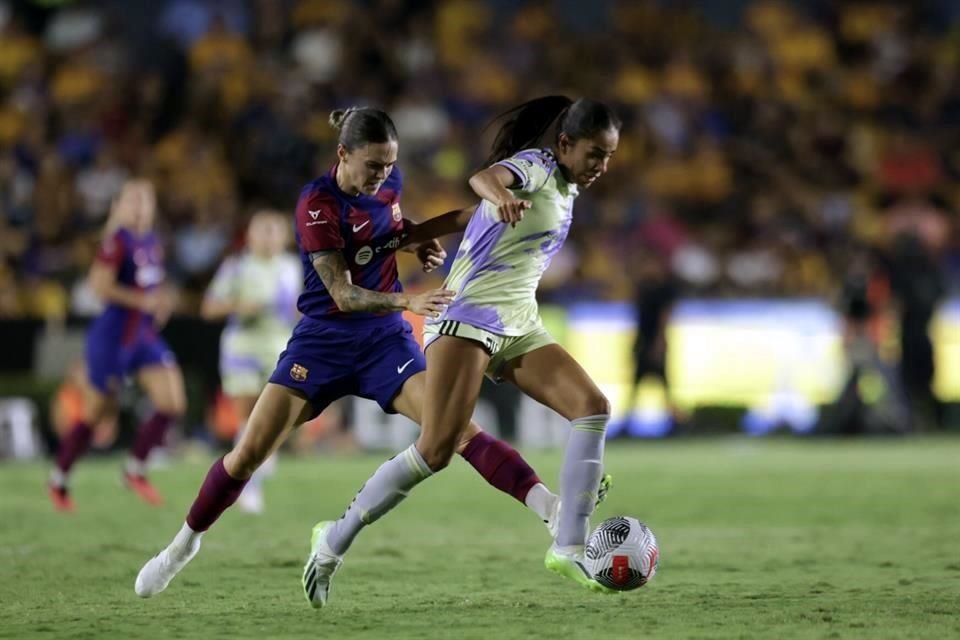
x=109 y=363
x=326 y=361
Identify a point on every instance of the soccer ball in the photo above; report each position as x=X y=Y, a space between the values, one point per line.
x=622 y=553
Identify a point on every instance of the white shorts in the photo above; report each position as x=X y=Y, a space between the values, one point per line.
x=502 y=349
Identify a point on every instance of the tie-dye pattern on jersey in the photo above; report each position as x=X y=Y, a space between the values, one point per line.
x=498 y=267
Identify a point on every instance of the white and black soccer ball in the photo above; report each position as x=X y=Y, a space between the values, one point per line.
x=622 y=553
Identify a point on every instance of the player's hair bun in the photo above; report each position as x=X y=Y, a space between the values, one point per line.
x=339 y=116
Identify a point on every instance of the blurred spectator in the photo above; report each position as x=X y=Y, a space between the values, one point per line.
x=186 y=21
x=97 y=185
x=199 y=245
x=759 y=142
x=18 y=49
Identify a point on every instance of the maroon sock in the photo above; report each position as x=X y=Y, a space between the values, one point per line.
x=219 y=491
x=500 y=465
x=151 y=435
x=73 y=445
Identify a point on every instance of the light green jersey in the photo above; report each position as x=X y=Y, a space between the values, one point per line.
x=498 y=267
x=272 y=283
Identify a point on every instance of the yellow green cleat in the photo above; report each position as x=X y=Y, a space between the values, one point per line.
x=568 y=562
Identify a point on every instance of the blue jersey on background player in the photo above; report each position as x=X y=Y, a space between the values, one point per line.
x=124 y=339
x=334 y=353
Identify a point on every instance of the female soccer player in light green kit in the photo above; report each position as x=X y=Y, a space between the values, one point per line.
x=257 y=291
x=493 y=325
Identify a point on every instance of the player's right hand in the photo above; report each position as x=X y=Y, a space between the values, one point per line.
x=511 y=211
x=431 y=303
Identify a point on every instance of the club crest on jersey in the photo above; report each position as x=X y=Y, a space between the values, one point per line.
x=298 y=372
x=397 y=216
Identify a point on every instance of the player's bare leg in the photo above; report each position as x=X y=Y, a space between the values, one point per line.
x=251 y=499
x=96 y=405
x=552 y=377
x=164 y=386
x=453 y=377
x=501 y=465
x=277 y=412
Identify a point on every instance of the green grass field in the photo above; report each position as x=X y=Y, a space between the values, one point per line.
x=759 y=539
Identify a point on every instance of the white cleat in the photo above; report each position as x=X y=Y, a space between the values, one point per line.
x=320 y=567
x=161 y=569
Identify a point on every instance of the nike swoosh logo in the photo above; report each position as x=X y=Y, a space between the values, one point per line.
x=405 y=364
x=357 y=227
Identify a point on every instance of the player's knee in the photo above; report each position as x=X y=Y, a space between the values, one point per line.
x=171 y=403
x=242 y=461
x=438 y=454
x=175 y=409
x=94 y=413
x=593 y=404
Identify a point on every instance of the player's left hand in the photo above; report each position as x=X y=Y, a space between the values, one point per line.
x=431 y=254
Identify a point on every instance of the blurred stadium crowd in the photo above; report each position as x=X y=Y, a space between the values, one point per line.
x=767 y=144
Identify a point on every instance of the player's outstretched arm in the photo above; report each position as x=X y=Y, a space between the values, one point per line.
x=493 y=185
x=439 y=226
x=335 y=275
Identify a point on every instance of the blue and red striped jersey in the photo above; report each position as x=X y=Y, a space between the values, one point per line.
x=367 y=229
x=138 y=261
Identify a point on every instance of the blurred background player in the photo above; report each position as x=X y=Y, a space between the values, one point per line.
x=918 y=285
x=351 y=340
x=123 y=341
x=258 y=292
x=871 y=399
x=656 y=294
x=493 y=326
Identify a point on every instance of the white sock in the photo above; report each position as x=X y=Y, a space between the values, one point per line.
x=136 y=467
x=385 y=489
x=540 y=501
x=580 y=477
x=58 y=478
x=186 y=539
x=269 y=466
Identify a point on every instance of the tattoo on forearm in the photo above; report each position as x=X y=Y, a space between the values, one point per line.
x=354 y=298
x=333 y=272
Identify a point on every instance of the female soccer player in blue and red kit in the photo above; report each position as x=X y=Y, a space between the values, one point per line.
x=352 y=339
x=123 y=341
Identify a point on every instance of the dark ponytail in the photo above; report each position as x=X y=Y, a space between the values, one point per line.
x=359 y=126
x=527 y=123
